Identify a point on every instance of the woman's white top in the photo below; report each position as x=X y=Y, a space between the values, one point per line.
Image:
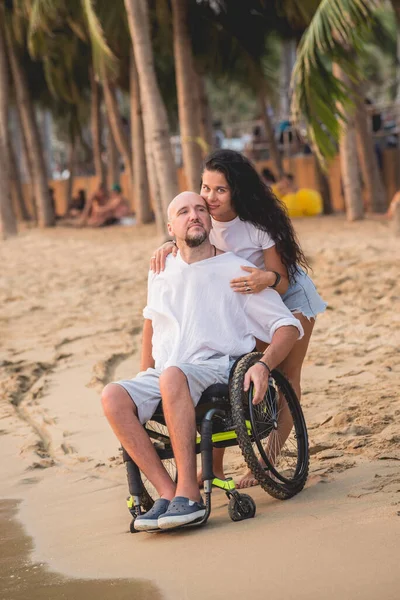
x=241 y=238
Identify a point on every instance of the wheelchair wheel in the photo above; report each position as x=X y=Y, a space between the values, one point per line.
x=272 y=435
x=160 y=437
x=241 y=506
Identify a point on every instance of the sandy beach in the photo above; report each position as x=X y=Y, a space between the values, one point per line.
x=70 y=321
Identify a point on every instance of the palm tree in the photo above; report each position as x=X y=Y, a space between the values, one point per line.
x=113 y=170
x=66 y=36
x=349 y=165
x=8 y=225
x=234 y=42
x=21 y=210
x=43 y=203
x=115 y=121
x=162 y=174
x=188 y=94
x=139 y=166
x=327 y=102
x=96 y=126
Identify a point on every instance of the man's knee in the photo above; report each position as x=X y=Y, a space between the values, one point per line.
x=114 y=399
x=171 y=381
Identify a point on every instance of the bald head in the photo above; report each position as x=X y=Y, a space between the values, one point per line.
x=188 y=219
x=182 y=200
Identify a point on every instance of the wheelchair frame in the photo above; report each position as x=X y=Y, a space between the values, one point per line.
x=215 y=421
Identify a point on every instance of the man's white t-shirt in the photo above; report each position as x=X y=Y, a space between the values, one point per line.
x=196 y=316
x=241 y=238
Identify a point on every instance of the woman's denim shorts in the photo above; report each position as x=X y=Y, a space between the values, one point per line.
x=302 y=296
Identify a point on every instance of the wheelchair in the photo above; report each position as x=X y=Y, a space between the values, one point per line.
x=277 y=456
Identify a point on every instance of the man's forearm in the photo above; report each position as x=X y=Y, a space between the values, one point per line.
x=281 y=344
x=147 y=359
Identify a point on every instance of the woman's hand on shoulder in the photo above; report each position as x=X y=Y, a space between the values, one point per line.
x=157 y=261
x=253 y=282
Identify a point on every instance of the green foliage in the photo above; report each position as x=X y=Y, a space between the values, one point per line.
x=102 y=54
x=337 y=33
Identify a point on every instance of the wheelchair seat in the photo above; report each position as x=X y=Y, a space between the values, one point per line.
x=215 y=396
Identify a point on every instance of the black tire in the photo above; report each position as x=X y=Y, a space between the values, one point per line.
x=241 y=506
x=155 y=430
x=286 y=475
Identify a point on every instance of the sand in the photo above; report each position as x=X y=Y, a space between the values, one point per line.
x=70 y=321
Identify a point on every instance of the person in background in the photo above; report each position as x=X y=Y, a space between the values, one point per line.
x=286 y=185
x=78 y=204
x=269 y=177
x=116 y=208
x=52 y=200
x=218 y=134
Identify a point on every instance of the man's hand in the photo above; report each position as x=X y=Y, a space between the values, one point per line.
x=157 y=261
x=259 y=377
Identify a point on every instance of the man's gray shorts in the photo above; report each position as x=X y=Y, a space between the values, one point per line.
x=144 y=389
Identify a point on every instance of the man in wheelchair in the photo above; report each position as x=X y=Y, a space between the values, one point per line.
x=194 y=327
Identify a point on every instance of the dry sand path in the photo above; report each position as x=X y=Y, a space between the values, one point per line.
x=70 y=321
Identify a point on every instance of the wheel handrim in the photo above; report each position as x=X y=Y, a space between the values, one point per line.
x=284 y=458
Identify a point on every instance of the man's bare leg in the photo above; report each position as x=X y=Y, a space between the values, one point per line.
x=121 y=413
x=179 y=415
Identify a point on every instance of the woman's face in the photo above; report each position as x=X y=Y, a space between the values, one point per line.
x=216 y=192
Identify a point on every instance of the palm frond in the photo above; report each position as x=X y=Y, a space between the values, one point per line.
x=337 y=33
x=42 y=15
x=103 y=57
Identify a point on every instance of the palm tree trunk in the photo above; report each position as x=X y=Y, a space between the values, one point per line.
x=156 y=193
x=155 y=115
x=140 y=184
x=376 y=197
x=396 y=9
x=113 y=174
x=187 y=98
x=20 y=206
x=350 y=174
x=269 y=131
x=71 y=169
x=205 y=116
x=286 y=68
x=117 y=128
x=95 y=124
x=349 y=160
x=324 y=188
x=43 y=201
x=8 y=223
x=27 y=165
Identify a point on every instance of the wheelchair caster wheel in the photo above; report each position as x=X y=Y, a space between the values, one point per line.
x=241 y=506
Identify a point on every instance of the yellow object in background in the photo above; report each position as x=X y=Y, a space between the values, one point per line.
x=305 y=203
x=290 y=200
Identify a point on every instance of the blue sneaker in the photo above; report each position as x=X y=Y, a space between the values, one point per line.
x=149 y=520
x=181 y=511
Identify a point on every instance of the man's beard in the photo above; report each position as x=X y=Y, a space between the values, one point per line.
x=197 y=240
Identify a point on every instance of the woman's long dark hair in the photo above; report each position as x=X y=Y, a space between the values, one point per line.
x=255 y=202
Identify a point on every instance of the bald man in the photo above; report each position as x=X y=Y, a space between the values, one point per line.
x=195 y=326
